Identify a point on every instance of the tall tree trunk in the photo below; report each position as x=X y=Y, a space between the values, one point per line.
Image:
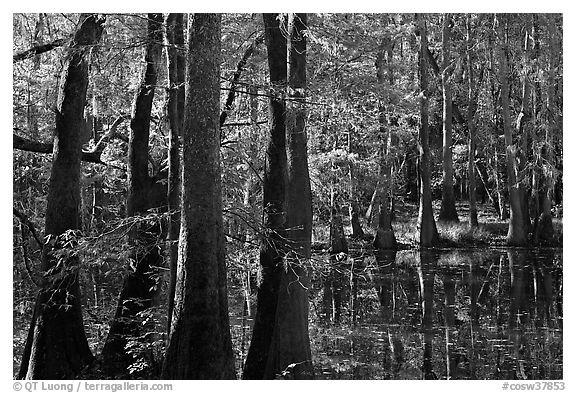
x=521 y=122
x=290 y=348
x=200 y=345
x=471 y=120
x=141 y=282
x=545 y=228
x=176 y=71
x=57 y=344
x=273 y=246
x=448 y=207
x=426 y=223
x=516 y=228
x=385 y=238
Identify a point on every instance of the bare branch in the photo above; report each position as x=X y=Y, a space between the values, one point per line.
x=38 y=49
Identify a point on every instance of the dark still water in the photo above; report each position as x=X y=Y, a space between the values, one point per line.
x=482 y=314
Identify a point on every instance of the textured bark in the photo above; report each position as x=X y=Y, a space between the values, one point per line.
x=199 y=345
x=176 y=72
x=426 y=223
x=141 y=282
x=516 y=228
x=273 y=245
x=57 y=344
x=448 y=206
x=290 y=353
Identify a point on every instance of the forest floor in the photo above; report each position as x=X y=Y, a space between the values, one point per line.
x=491 y=231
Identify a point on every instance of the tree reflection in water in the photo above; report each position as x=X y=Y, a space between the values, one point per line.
x=482 y=314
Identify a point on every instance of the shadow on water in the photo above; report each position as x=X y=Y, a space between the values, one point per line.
x=482 y=314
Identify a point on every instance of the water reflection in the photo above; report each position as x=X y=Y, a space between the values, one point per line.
x=490 y=314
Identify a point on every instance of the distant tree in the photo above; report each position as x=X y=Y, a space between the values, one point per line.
x=200 y=345
x=56 y=346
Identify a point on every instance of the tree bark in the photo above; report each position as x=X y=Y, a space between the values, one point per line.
x=142 y=281
x=273 y=247
x=200 y=345
x=516 y=228
x=290 y=353
x=176 y=72
x=448 y=206
x=57 y=344
x=426 y=224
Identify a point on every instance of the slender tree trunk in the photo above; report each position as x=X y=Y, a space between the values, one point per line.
x=448 y=207
x=353 y=210
x=290 y=348
x=200 y=345
x=273 y=246
x=516 y=228
x=141 y=282
x=176 y=71
x=57 y=344
x=426 y=223
x=521 y=123
x=472 y=107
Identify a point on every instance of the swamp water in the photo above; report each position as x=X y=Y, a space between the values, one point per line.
x=458 y=314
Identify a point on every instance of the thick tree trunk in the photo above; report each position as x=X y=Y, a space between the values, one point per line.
x=57 y=344
x=176 y=71
x=545 y=228
x=273 y=246
x=448 y=207
x=426 y=223
x=200 y=345
x=290 y=353
x=141 y=283
x=516 y=228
